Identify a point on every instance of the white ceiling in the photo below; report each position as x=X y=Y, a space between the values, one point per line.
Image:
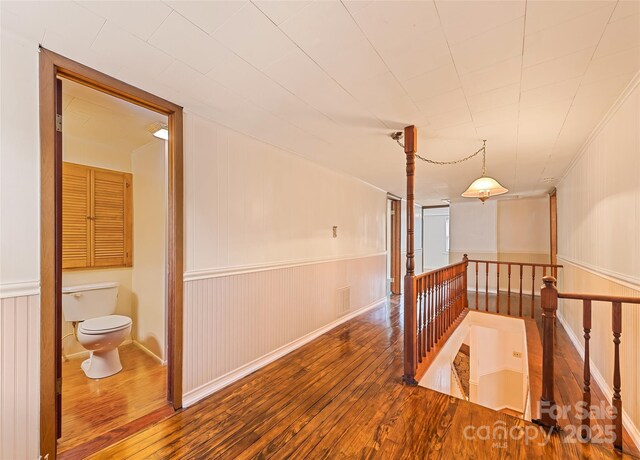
x=102 y=119
x=330 y=80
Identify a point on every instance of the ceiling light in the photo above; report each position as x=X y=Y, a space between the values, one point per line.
x=162 y=133
x=485 y=186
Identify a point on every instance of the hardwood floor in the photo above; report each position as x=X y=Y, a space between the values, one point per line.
x=341 y=396
x=97 y=412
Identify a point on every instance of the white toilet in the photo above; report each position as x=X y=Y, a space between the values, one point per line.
x=98 y=330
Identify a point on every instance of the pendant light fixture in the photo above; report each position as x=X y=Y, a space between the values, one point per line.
x=485 y=186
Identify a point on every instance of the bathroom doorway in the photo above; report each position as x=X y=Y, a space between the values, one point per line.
x=111 y=226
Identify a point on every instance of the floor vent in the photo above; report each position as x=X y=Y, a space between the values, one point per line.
x=343 y=302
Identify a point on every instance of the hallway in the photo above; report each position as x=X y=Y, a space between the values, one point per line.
x=340 y=396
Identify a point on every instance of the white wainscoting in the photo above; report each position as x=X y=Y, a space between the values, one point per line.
x=19 y=376
x=235 y=324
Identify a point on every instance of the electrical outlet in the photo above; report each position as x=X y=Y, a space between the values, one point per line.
x=517 y=354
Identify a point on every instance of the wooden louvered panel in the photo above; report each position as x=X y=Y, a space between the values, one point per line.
x=112 y=219
x=76 y=209
x=97 y=217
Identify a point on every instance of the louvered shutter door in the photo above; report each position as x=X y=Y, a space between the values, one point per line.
x=76 y=204
x=111 y=219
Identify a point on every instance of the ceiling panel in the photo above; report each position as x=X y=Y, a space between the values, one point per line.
x=556 y=70
x=209 y=16
x=251 y=35
x=430 y=84
x=566 y=38
x=281 y=10
x=546 y=14
x=493 y=77
x=620 y=36
x=489 y=48
x=494 y=99
x=443 y=103
x=181 y=39
x=463 y=20
x=139 y=18
x=68 y=19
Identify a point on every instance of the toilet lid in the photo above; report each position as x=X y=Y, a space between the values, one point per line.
x=103 y=324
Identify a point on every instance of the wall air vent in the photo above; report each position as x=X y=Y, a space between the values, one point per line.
x=343 y=300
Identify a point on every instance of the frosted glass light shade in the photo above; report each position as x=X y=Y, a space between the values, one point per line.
x=483 y=188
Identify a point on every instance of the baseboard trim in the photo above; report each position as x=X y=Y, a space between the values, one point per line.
x=628 y=424
x=195 y=395
x=149 y=352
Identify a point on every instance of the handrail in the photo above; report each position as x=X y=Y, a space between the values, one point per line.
x=548 y=407
x=599 y=297
x=526 y=264
x=512 y=268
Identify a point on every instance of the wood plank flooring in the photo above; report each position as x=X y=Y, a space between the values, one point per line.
x=341 y=396
x=97 y=412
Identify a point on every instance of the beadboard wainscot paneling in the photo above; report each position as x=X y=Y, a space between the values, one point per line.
x=237 y=322
x=598 y=244
x=19 y=371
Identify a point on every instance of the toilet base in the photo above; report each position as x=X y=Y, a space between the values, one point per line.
x=101 y=364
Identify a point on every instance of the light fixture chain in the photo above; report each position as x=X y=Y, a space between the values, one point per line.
x=452 y=162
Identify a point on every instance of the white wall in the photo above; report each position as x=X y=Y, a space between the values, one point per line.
x=148 y=275
x=598 y=228
x=473 y=229
x=19 y=164
x=523 y=227
x=262 y=265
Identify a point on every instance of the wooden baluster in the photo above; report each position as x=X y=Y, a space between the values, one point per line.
x=549 y=300
x=616 y=312
x=465 y=259
x=431 y=321
x=486 y=286
x=533 y=289
x=498 y=288
x=449 y=287
x=423 y=338
x=585 y=430
x=476 y=285
x=446 y=300
x=520 y=312
x=420 y=319
x=509 y=290
x=437 y=309
x=544 y=271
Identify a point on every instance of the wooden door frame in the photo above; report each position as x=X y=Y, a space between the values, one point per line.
x=52 y=66
x=396 y=256
x=553 y=223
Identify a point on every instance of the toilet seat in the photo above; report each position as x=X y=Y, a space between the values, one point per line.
x=104 y=324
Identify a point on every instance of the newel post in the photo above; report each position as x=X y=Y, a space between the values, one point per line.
x=549 y=299
x=410 y=324
x=465 y=259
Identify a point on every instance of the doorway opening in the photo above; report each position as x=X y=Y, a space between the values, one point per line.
x=394 y=268
x=111 y=258
x=435 y=236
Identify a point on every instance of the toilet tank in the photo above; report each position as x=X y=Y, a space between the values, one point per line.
x=88 y=301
